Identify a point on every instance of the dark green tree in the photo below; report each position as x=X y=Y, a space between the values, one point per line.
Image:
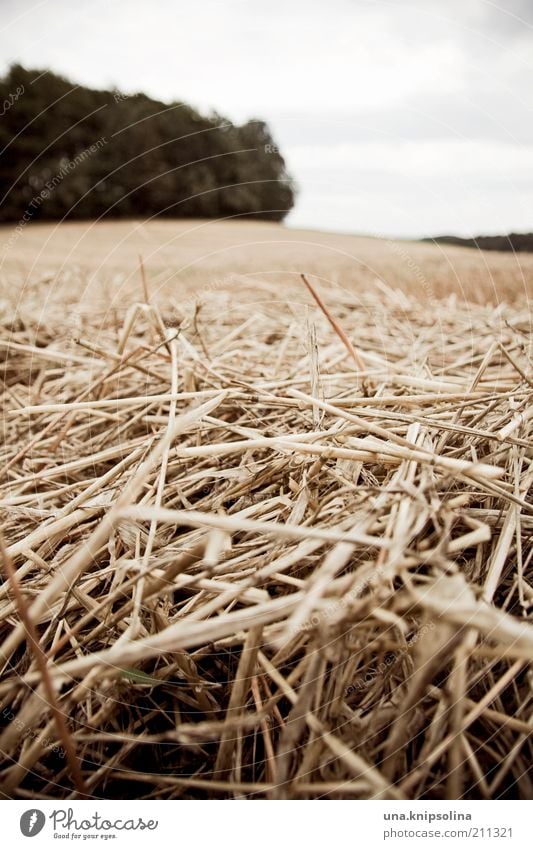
x=67 y=151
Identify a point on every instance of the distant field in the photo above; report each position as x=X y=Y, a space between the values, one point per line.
x=195 y=256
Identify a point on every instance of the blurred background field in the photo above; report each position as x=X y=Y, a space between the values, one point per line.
x=189 y=258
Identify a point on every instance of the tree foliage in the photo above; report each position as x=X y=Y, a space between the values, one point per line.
x=516 y=242
x=70 y=151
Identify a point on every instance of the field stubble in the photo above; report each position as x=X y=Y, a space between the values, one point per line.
x=242 y=560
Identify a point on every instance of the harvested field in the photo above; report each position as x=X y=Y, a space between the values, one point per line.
x=97 y=262
x=253 y=550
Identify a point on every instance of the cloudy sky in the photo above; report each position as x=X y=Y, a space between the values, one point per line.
x=406 y=117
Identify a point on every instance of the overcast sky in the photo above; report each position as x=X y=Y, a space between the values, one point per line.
x=406 y=117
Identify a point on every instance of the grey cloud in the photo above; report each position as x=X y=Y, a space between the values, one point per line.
x=494 y=116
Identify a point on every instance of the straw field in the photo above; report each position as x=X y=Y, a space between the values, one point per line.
x=266 y=523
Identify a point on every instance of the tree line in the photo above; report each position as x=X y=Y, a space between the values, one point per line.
x=516 y=242
x=68 y=151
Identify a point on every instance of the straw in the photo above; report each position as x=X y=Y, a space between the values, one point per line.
x=239 y=567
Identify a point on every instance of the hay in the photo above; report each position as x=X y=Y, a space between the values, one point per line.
x=245 y=567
